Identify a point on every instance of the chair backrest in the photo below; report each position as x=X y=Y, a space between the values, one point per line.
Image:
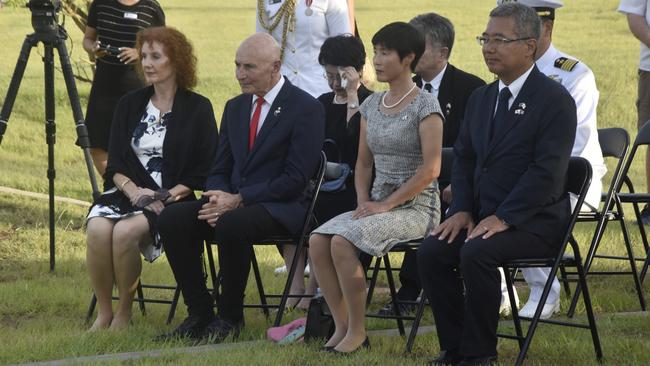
x=613 y=142
x=446 y=165
x=314 y=183
x=643 y=137
x=578 y=182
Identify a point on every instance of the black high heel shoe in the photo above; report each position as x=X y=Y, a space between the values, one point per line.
x=365 y=344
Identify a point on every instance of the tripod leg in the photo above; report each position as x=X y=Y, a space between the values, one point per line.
x=16 y=78
x=73 y=95
x=50 y=138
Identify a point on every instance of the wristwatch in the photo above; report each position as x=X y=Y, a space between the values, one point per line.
x=504 y=222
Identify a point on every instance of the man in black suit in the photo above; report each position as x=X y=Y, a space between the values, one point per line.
x=509 y=179
x=269 y=146
x=452 y=87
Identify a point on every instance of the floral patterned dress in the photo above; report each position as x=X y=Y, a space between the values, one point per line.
x=147 y=143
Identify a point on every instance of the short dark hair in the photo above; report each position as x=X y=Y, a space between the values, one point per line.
x=403 y=38
x=437 y=30
x=527 y=22
x=343 y=50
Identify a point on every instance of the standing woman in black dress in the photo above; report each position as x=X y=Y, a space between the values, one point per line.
x=114 y=23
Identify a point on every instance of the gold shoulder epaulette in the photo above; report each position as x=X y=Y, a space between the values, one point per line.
x=565 y=64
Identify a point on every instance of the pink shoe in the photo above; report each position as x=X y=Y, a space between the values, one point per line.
x=276 y=334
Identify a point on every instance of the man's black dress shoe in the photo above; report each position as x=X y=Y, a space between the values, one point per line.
x=446 y=358
x=192 y=327
x=219 y=329
x=478 y=361
x=365 y=344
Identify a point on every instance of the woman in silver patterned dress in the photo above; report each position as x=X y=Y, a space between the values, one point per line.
x=161 y=148
x=401 y=136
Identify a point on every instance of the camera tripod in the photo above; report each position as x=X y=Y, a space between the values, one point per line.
x=54 y=38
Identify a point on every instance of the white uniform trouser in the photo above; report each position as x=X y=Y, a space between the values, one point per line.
x=536 y=277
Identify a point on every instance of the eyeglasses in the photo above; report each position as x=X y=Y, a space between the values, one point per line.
x=332 y=77
x=498 y=41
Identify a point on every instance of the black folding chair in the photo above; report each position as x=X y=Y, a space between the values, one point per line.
x=300 y=242
x=614 y=143
x=579 y=178
x=642 y=139
x=141 y=300
x=447 y=160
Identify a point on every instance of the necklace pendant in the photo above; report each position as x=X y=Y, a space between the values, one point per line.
x=309 y=12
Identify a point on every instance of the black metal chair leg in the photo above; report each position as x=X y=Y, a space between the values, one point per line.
x=291 y=272
x=213 y=273
x=172 y=308
x=393 y=296
x=260 y=286
x=141 y=298
x=632 y=260
x=513 y=306
x=373 y=281
x=91 y=308
x=565 y=280
x=416 y=323
x=590 y=313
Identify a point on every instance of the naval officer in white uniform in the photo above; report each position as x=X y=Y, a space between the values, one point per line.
x=578 y=79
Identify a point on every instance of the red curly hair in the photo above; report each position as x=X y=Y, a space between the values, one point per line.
x=177 y=47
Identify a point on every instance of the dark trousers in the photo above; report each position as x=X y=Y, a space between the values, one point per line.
x=468 y=324
x=409 y=277
x=183 y=234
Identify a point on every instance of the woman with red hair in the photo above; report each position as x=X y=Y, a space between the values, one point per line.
x=163 y=141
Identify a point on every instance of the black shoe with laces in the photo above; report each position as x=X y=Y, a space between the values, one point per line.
x=193 y=327
x=404 y=309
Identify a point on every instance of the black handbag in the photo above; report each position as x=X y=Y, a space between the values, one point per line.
x=336 y=173
x=320 y=324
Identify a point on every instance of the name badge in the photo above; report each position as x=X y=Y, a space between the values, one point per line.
x=273 y=2
x=129 y=15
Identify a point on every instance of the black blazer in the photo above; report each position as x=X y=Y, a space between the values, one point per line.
x=188 y=149
x=520 y=174
x=283 y=159
x=455 y=88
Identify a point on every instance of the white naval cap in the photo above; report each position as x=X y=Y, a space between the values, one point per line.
x=544 y=8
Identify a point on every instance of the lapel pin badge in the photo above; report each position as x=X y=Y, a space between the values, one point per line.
x=277 y=111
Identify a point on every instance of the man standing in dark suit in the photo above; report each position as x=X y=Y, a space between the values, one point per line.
x=269 y=145
x=509 y=179
x=452 y=87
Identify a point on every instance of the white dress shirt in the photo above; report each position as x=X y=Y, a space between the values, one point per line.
x=300 y=64
x=435 y=83
x=581 y=84
x=269 y=97
x=515 y=88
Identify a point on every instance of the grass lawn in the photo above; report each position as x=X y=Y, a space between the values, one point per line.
x=42 y=313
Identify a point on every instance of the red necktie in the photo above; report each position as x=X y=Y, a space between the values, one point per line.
x=255 y=121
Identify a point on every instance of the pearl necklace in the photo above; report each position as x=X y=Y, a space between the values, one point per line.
x=383 y=98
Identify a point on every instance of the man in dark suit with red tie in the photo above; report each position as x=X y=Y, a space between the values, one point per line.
x=452 y=86
x=269 y=147
x=509 y=178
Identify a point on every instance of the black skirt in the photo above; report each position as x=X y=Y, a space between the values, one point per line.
x=111 y=82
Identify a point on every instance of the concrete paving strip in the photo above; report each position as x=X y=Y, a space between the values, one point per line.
x=133 y=356
x=43 y=196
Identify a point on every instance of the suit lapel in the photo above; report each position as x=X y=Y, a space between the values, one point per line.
x=243 y=127
x=272 y=118
x=487 y=110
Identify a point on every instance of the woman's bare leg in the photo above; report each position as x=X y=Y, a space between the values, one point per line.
x=99 y=260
